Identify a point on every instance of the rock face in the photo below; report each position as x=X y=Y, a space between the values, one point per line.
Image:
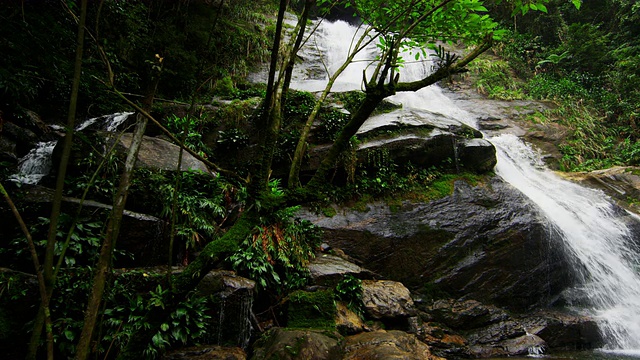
x=487 y=243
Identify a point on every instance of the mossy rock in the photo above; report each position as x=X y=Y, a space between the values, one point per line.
x=315 y=310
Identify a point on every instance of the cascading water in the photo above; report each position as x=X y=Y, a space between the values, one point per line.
x=600 y=244
x=37 y=163
x=605 y=255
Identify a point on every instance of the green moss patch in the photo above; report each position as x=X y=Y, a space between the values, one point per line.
x=316 y=310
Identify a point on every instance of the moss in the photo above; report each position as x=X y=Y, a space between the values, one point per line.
x=328 y=211
x=316 y=310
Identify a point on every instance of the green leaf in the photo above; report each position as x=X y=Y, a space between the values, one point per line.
x=164 y=327
x=542 y=8
x=533 y=6
x=577 y=3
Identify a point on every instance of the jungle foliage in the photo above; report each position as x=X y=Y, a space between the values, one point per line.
x=588 y=61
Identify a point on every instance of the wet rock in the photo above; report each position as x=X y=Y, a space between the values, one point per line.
x=23 y=138
x=523 y=345
x=206 y=352
x=477 y=155
x=505 y=330
x=565 y=331
x=465 y=315
x=485 y=242
x=328 y=270
x=386 y=345
x=294 y=344
x=442 y=340
x=621 y=183
x=230 y=321
x=385 y=299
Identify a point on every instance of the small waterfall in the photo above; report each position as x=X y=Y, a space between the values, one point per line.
x=600 y=244
x=37 y=163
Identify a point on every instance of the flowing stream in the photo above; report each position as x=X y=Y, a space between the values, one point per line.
x=596 y=240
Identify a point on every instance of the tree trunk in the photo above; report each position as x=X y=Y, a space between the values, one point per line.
x=106 y=251
x=301 y=147
x=103 y=266
x=342 y=142
x=43 y=315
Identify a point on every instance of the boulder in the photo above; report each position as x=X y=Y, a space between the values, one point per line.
x=347 y=321
x=565 y=331
x=206 y=352
x=386 y=299
x=486 y=242
x=421 y=137
x=523 y=345
x=465 y=315
x=477 y=155
x=156 y=153
x=294 y=344
x=386 y=345
x=328 y=270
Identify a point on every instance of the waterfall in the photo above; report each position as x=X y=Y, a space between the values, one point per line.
x=37 y=163
x=600 y=244
x=596 y=239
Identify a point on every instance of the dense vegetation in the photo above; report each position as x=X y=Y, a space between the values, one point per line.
x=588 y=62
x=200 y=42
x=206 y=49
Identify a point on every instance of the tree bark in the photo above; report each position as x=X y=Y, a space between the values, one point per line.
x=103 y=266
x=43 y=315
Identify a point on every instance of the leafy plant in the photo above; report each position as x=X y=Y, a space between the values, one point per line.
x=187 y=129
x=277 y=252
x=187 y=324
x=199 y=207
x=349 y=290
